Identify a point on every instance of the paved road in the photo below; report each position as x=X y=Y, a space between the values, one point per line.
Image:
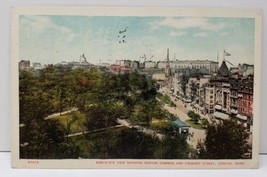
x=181 y=112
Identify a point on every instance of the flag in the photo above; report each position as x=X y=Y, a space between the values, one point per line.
x=226 y=54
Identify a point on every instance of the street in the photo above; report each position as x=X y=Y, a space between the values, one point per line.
x=195 y=135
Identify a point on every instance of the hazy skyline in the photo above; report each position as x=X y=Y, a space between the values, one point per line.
x=52 y=39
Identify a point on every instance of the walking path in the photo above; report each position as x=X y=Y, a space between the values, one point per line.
x=60 y=113
x=145 y=130
x=93 y=131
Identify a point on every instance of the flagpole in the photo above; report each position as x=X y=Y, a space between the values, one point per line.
x=223 y=54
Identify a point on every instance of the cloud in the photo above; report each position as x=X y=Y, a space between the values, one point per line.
x=200 y=34
x=43 y=27
x=224 y=34
x=186 y=23
x=42 y=40
x=177 y=33
x=40 y=24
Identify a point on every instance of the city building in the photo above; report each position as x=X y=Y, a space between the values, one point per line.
x=201 y=66
x=200 y=94
x=150 y=64
x=24 y=65
x=117 y=69
x=37 y=66
x=246 y=69
x=245 y=100
x=135 y=65
x=162 y=64
x=126 y=63
x=218 y=93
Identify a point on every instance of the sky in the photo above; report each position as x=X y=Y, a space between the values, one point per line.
x=52 y=39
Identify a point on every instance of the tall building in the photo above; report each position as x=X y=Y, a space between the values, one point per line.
x=245 y=100
x=218 y=93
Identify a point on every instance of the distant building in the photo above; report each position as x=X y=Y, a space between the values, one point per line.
x=81 y=64
x=159 y=76
x=246 y=69
x=106 y=65
x=135 y=65
x=202 y=66
x=162 y=64
x=117 y=69
x=37 y=66
x=24 y=65
x=150 y=64
x=63 y=64
x=126 y=63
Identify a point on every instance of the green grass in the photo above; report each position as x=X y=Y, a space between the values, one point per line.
x=194 y=125
x=161 y=126
x=72 y=122
x=165 y=99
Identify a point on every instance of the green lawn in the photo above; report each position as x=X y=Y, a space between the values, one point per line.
x=165 y=99
x=194 y=125
x=161 y=126
x=72 y=122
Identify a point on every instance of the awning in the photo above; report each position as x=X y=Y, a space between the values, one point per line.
x=219 y=107
x=239 y=116
x=234 y=111
x=188 y=101
x=179 y=123
x=221 y=115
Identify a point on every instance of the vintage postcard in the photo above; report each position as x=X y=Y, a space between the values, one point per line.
x=135 y=87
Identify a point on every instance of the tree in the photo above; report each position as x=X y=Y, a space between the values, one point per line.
x=195 y=117
x=204 y=122
x=172 y=148
x=45 y=140
x=226 y=140
x=122 y=143
x=103 y=115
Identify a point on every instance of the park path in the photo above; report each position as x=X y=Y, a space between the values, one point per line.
x=60 y=113
x=92 y=131
x=145 y=130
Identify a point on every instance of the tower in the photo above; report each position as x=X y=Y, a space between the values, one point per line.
x=168 y=70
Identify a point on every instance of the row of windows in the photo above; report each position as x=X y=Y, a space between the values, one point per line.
x=195 y=66
x=245 y=111
x=245 y=103
x=250 y=97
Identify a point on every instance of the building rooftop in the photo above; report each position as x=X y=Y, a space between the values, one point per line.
x=179 y=123
x=223 y=70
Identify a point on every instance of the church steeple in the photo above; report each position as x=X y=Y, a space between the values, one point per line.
x=223 y=70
